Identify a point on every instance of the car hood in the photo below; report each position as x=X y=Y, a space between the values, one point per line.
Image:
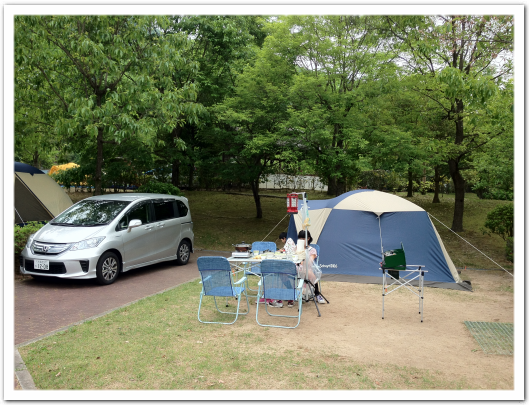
x=67 y=234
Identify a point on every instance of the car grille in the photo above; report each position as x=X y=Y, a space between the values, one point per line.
x=55 y=268
x=49 y=249
x=84 y=265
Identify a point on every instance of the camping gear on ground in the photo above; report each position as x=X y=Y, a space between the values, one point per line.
x=353 y=228
x=216 y=275
x=279 y=281
x=37 y=196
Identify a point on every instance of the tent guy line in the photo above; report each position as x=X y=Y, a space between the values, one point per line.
x=471 y=245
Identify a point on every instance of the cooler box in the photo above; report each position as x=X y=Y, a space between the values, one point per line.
x=394 y=259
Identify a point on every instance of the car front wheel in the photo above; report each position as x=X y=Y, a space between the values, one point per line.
x=107 y=269
x=183 y=252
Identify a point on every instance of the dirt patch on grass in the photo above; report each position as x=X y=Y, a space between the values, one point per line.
x=351 y=326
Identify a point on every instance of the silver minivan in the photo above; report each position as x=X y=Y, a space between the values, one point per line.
x=102 y=236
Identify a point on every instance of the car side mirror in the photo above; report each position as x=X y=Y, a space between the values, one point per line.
x=134 y=224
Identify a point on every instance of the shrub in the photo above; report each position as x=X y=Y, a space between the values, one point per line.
x=425 y=186
x=22 y=233
x=498 y=195
x=501 y=222
x=160 y=188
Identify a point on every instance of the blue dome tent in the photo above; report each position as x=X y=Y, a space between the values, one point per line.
x=354 y=229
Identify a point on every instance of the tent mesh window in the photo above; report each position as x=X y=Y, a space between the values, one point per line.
x=493 y=337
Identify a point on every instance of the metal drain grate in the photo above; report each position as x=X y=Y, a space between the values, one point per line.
x=493 y=337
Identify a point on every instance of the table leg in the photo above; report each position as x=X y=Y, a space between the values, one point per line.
x=383 y=287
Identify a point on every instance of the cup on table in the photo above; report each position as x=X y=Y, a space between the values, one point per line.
x=256 y=253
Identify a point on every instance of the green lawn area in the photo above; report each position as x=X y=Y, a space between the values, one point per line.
x=158 y=343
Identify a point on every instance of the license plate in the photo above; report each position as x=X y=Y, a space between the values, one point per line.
x=41 y=265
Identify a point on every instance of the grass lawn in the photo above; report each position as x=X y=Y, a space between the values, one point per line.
x=158 y=343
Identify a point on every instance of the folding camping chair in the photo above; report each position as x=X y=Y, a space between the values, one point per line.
x=394 y=262
x=216 y=275
x=255 y=269
x=279 y=281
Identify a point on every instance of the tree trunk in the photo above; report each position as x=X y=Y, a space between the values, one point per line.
x=459 y=203
x=257 y=198
x=36 y=159
x=455 y=173
x=410 y=183
x=190 y=176
x=175 y=172
x=332 y=186
x=175 y=177
x=340 y=187
x=437 y=180
x=99 y=163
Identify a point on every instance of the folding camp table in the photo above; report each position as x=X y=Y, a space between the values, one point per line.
x=397 y=281
x=393 y=263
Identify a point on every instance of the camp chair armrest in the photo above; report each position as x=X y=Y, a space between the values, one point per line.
x=300 y=283
x=240 y=281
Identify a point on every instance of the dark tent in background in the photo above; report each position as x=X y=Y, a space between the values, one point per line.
x=37 y=196
x=354 y=229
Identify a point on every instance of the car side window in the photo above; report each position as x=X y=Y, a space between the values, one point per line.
x=182 y=208
x=141 y=212
x=163 y=209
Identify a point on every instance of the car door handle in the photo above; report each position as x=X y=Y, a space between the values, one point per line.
x=160 y=225
x=148 y=227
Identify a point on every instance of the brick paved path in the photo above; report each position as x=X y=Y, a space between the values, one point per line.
x=44 y=306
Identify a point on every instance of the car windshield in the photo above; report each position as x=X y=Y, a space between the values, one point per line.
x=90 y=213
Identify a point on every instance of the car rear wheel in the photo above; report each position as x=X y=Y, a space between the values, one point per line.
x=107 y=269
x=183 y=252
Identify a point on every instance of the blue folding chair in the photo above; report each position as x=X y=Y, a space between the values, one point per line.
x=255 y=269
x=216 y=275
x=279 y=281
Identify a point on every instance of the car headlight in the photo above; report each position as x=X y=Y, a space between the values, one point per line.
x=30 y=240
x=87 y=243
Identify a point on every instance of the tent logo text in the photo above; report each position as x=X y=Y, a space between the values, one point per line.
x=333 y=266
